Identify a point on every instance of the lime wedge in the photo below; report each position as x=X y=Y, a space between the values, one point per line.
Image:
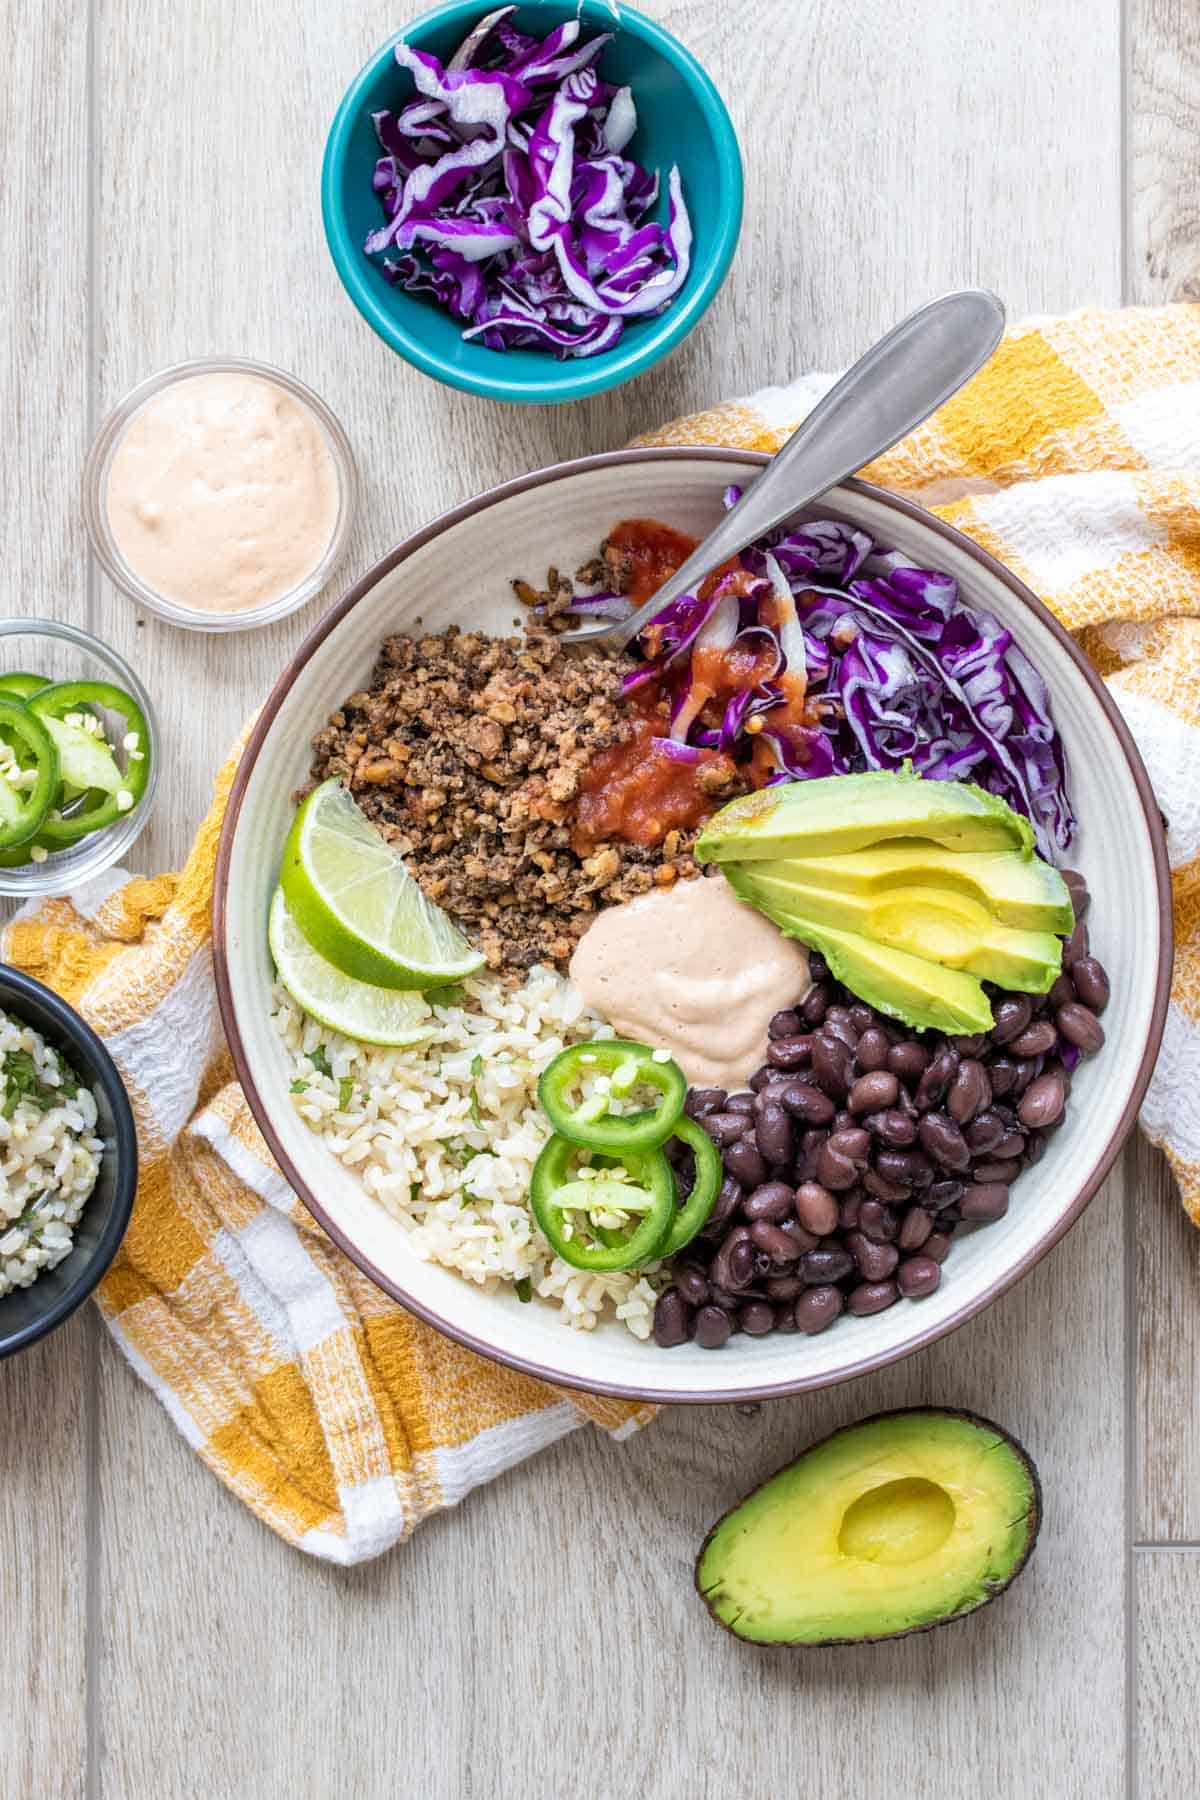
x=358 y=906
x=373 y=1015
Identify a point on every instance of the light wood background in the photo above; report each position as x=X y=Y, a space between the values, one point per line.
x=158 y=200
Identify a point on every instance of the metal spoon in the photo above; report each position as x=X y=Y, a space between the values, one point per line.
x=467 y=51
x=898 y=383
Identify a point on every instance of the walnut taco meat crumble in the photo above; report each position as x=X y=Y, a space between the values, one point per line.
x=469 y=752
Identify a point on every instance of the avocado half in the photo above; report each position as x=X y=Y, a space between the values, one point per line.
x=896 y=1524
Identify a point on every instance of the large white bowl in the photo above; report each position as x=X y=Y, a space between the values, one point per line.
x=457 y=570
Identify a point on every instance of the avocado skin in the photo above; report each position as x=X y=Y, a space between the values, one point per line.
x=1033 y=1528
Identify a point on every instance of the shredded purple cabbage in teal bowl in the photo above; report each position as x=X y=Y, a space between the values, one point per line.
x=546 y=222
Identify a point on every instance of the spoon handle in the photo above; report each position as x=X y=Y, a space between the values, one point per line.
x=898 y=383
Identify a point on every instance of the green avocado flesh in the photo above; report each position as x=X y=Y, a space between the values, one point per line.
x=921 y=993
x=1021 y=891
x=893 y=1525
x=843 y=813
x=926 y=921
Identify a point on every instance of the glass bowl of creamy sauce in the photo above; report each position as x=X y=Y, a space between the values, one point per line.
x=220 y=494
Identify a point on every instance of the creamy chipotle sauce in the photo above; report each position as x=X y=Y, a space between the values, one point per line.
x=223 y=494
x=692 y=970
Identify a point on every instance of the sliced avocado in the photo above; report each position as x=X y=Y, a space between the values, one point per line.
x=841 y=813
x=85 y=761
x=921 y=993
x=931 y=922
x=1021 y=891
x=902 y=1522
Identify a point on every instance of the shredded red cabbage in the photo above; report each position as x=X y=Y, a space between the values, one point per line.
x=870 y=663
x=510 y=204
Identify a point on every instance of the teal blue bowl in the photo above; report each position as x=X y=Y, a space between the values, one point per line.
x=681 y=119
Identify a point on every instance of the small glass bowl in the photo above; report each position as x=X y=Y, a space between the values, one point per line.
x=64 y=653
x=95 y=510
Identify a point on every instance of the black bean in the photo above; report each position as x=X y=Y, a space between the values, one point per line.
x=804 y=1240
x=915 y=1227
x=1035 y=1149
x=743 y=1161
x=1062 y=993
x=894 y=1129
x=761 y=1078
x=713 y=1327
x=819 y=1266
x=1090 y=983
x=871 y=1297
x=1080 y=1026
x=1004 y=1169
x=772 y=1201
x=724 y=1127
x=784 y=1288
x=757 y=1318
x=849 y=1209
x=1011 y=1145
x=704 y=1100
x=983 y=1202
x=908 y=1059
x=891 y=1191
x=1037 y=1039
x=816 y=1002
x=719 y=1296
x=806 y=1102
x=1078 y=889
x=728 y=1199
x=816 y=1208
x=938 y=1246
x=969 y=1092
x=1011 y=1017
x=944 y=1142
x=835 y=1170
x=787 y=1023
x=1076 y=947
x=851 y=1141
x=773 y=1134
x=877 y=1221
x=672 y=1319
x=918 y=1276
x=843 y=1015
x=790 y=1052
x=831 y=1062
x=875 y=1261
x=932 y=1086
x=874 y=1092
x=984 y=1133
x=969 y=1046
x=816 y=1310
x=785 y=1318
x=873 y=1050
x=692 y=1283
x=843 y=1121
x=1002 y=1073
x=811 y=1144
x=733 y=1265
x=1043 y=1100
x=740 y=1103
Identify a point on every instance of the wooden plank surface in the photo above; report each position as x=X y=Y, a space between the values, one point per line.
x=544 y=1639
x=1168 y=1743
x=46 y=1395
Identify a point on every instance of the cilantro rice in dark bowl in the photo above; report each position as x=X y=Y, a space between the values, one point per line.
x=68 y=1160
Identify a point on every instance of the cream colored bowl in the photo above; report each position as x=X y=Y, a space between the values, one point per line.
x=457 y=570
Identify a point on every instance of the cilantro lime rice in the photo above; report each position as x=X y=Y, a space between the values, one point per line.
x=49 y=1154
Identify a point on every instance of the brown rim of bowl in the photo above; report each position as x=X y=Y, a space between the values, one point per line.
x=752 y=1390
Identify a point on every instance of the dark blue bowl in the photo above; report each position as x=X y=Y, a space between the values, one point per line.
x=30 y=1313
x=681 y=119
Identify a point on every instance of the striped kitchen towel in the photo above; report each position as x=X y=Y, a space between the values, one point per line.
x=1074 y=456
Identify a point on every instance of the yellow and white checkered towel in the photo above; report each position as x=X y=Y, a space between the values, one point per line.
x=1074 y=456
